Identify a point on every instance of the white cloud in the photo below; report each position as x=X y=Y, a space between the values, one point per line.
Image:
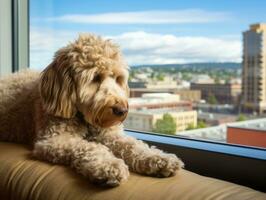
x=146 y=17
x=148 y=48
x=143 y=48
x=44 y=43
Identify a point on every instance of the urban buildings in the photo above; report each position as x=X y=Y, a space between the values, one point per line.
x=217 y=108
x=254 y=69
x=158 y=100
x=146 y=110
x=216 y=133
x=189 y=95
x=214 y=119
x=148 y=102
x=227 y=93
x=166 y=82
x=138 y=92
x=250 y=133
x=202 y=79
x=145 y=119
x=185 y=94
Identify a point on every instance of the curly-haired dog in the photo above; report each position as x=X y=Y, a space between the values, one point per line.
x=72 y=114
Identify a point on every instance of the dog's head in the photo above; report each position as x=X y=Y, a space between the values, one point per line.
x=87 y=76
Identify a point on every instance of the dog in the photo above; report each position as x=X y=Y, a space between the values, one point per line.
x=72 y=114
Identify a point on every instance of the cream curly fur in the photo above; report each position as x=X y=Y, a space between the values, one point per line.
x=72 y=112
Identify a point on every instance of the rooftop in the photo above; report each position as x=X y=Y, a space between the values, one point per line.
x=214 y=116
x=157 y=95
x=256 y=124
x=157 y=98
x=159 y=111
x=218 y=133
x=259 y=26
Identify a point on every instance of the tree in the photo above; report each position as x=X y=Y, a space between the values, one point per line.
x=160 y=77
x=152 y=75
x=190 y=127
x=241 y=117
x=217 y=80
x=131 y=75
x=186 y=76
x=201 y=124
x=166 y=125
x=212 y=99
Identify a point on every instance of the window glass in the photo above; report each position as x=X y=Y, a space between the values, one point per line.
x=197 y=68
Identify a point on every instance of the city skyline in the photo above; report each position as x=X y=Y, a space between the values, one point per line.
x=148 y=32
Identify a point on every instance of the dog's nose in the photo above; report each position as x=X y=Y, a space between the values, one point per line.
x=119 y=111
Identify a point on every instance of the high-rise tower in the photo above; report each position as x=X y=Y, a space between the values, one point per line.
x=254 y=69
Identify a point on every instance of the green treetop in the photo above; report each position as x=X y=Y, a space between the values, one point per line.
x=212 y=99
x=166 y=125
x=201 y=124
x=241 y=117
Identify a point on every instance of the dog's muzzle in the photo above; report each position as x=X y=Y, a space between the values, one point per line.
x=119 y=111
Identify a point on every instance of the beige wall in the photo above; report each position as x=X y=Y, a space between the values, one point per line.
x=190 y=95
x=145 y=122
x=139 y=121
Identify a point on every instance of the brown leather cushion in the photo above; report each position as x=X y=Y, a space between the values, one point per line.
x=23 y=178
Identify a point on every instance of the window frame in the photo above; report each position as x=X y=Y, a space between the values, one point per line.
x=204 y=145
x=234 y=163
x=14 y=36
x=21 y=42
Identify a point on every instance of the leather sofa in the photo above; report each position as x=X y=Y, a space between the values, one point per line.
x=23 y=178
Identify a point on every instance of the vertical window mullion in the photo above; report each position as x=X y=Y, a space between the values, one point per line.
x=20 y=10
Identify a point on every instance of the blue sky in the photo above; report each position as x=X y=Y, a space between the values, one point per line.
x=170 y=31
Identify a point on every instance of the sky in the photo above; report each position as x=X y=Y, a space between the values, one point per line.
x=148 y=31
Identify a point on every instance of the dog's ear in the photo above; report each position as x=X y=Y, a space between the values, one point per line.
x=58 y=90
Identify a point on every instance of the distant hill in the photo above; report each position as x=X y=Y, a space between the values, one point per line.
x=218 y=65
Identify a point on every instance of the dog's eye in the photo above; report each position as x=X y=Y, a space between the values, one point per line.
x=119 y=79
x=97 y=78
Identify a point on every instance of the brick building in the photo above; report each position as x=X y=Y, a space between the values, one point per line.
x=249 y=133
x=225 y=93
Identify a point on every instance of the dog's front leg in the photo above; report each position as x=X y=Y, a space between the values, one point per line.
x=90 y=159
x=139 y=156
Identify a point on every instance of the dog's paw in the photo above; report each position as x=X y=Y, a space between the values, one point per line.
x=164 y=165
x=111 y=173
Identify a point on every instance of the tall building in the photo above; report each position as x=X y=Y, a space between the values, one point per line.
x=254 y=69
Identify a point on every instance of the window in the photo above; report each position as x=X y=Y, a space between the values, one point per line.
x=174 y=49
x=14 y=33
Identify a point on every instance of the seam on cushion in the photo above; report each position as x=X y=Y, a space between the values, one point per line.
x=37 y=183
x=246 y=194
x=10 y=178
x=223 y=193
x=16 y=172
